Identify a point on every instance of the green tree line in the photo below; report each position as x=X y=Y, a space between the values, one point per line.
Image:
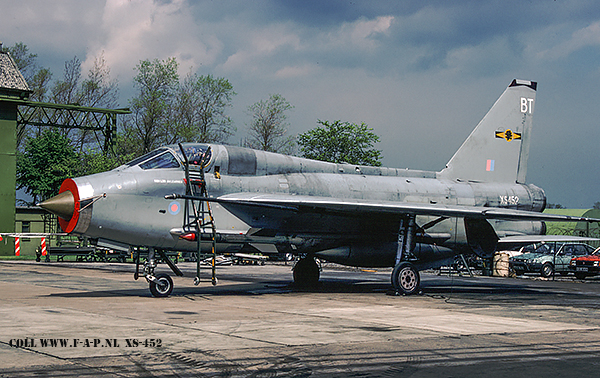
x=165 y=109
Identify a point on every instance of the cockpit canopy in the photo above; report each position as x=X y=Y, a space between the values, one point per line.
x=172 y=157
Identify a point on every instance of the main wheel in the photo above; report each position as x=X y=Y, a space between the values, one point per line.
x=162 y=287
x=547 y=270
x=405 y=278
x=306 y=273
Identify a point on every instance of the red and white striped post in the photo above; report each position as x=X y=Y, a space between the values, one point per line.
x=17 y=247
x=44 y=253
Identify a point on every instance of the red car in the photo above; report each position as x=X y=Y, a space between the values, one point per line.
x=584 y=266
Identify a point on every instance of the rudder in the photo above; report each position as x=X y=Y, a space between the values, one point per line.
x=498 y=148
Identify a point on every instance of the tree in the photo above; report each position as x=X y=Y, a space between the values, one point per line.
x=40 y=84
x=156 y=82
x=199 y=110
x=341 y=142
x=269 y=126
x=97 y=90
x=596 y=206
x=46 y=162
x=25 y=61
x=100 y=161
x=37 y=79
x=65 y=91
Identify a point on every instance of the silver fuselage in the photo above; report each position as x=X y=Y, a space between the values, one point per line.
x=135 y=211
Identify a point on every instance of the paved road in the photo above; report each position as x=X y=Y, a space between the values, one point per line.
x=95 y=320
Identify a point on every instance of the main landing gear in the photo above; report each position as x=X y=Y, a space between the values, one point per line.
x=405 y=276
x=306 y=273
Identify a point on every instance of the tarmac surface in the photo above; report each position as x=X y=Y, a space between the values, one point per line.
x=93 y=319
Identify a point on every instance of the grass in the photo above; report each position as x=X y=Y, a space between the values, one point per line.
x=24 y=258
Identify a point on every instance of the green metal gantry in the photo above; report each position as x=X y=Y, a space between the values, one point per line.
x=16 y=110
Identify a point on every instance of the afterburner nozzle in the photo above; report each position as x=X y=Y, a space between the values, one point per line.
x=62 y=205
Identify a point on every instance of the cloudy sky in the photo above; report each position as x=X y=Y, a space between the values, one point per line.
x=420 y=73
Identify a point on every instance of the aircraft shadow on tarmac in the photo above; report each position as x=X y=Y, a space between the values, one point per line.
x=443 y=287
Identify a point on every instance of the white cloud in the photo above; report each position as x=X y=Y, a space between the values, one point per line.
x=362 y=33
x=135 y=30
x=579 y=39
x=257 y=49
x=421 y=75
x=295 y=71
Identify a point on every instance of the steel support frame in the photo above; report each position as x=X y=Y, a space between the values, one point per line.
x=70 y=117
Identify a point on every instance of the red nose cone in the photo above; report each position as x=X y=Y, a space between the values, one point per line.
x=65 y=205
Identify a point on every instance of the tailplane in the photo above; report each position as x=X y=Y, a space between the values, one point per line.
x=498 y=148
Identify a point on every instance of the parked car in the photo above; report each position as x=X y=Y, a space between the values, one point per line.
x=549 y=258
x=584 y=266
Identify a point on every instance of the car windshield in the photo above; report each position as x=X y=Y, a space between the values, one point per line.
x=544 y=249
x=596 y=252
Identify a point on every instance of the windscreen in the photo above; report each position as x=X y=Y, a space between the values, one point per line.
x=148 y=156
x=544 y=249
x=166 y=160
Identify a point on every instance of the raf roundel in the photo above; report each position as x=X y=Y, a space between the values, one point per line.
x=174 y=208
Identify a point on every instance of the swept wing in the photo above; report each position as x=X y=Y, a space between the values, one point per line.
x=251 y=203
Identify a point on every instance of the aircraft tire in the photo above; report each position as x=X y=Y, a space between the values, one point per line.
x=163 y=288
x=547 y=270
x=306 y=273
x=405 y=278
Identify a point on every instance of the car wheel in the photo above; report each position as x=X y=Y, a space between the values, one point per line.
x=580 y=275
x=547 y=270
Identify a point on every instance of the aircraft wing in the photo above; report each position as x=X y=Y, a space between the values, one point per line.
x=254 y=204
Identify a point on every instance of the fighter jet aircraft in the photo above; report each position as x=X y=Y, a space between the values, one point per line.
x=175 y=197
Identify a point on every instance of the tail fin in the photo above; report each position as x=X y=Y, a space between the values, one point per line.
x=498 y=148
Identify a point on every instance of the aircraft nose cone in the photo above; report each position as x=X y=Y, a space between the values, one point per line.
x=62 y=205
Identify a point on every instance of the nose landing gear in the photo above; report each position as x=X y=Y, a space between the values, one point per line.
x=160 y=285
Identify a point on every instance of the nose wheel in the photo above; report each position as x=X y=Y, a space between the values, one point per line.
x=161 y=286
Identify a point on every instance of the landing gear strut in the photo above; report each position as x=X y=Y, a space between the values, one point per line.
x=405 y=277
x=160 y=285
x=306 y=272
